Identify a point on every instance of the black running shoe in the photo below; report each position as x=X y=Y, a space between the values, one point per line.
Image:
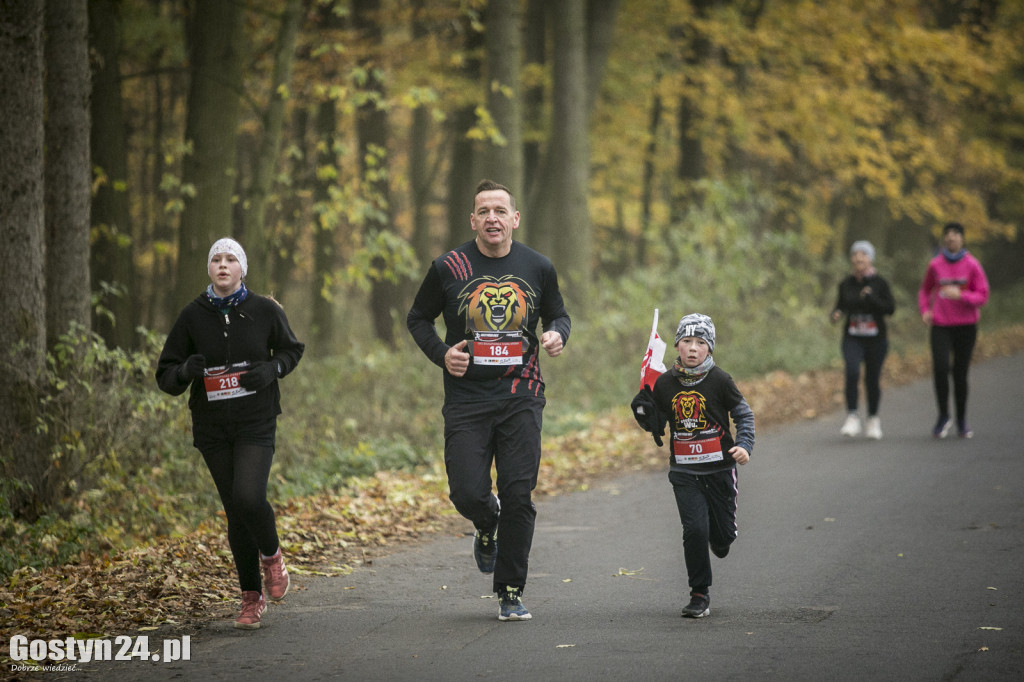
x=699 y=606
x=720 y=551
x=485 y=549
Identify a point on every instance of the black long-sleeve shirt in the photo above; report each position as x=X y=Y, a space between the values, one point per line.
x=478 y=297
x=698 y=418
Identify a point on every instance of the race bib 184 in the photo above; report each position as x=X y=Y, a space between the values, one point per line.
x=222 y=383
x=497 y=348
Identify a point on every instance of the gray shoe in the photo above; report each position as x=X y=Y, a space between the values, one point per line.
x=699 y=606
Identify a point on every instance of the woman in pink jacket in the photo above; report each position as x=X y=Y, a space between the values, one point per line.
x=950 y=299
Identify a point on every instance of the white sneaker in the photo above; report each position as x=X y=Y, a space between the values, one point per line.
x=874 y=428
x=851 y=427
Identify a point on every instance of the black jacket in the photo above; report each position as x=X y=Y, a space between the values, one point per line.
x=256 y=329
x=874 y=306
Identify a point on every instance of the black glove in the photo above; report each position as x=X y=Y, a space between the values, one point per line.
x=658 y=431
x=647 y=414
x=193 y=368
x=259 y=375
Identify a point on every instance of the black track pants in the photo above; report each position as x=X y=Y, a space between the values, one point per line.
x=507 y=433
x=707 y=510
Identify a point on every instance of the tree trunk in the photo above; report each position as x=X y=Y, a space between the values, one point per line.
x=504 y=163
x=462 y=167
x=255 y=237
x=564 y=213
x=535 y=56
x=111 y=260
x=691 y=164
x=68 y=170
x=294 y=209
x=372 y=131
x=324 y=253
x=212 y=121
x=421 y=179
x=647 y=190
x=600 y=32
x=22 y=233
x=167 y=95
x=421 y=183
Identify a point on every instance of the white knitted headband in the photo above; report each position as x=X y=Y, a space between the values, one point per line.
x=228 y=245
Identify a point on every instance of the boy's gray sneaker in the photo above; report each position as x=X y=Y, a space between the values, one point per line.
x=699 y=606
x=511 y=605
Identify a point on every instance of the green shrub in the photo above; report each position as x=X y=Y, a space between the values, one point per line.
x=111 y=436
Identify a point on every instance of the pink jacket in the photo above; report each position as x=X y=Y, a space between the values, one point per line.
x=965 y=273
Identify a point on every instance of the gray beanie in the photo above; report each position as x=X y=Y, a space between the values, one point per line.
x=229 y=245
x=697 y=325
x=864 y=247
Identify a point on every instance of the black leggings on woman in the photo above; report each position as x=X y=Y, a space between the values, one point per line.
x=870 y=351
x=239 y=458
x=959 y=342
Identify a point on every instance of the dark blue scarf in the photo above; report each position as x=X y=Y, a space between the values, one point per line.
x=953 y=257
x=228 y=302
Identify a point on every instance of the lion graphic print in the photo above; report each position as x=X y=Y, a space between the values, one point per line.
x=688 y=408
x=496 y=304
x=698 y=419
x=497 y=301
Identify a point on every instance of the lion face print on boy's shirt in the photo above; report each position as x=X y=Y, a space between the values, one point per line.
x=695 y=440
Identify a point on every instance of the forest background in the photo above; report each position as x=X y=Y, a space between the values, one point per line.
x=712 y=155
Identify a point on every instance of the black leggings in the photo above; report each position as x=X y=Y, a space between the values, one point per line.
x=871 y=351
x=239 y=458
x=957 y=342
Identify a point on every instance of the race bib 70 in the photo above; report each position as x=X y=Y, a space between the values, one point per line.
x=697 y=451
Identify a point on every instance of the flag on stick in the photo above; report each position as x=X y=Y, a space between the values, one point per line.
x=654 y=359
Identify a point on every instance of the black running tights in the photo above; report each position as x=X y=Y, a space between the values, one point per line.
x=957 y=342
x=240 y=471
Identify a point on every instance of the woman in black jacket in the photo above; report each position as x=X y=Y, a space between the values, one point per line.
x=231 y=346
x=865 y=299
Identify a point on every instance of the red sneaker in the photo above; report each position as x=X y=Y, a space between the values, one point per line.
x=253 y=606
x=275 y=576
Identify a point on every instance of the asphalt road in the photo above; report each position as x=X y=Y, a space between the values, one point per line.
x=898 y=559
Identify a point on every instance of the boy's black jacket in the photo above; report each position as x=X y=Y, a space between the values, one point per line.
x=254 y=330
